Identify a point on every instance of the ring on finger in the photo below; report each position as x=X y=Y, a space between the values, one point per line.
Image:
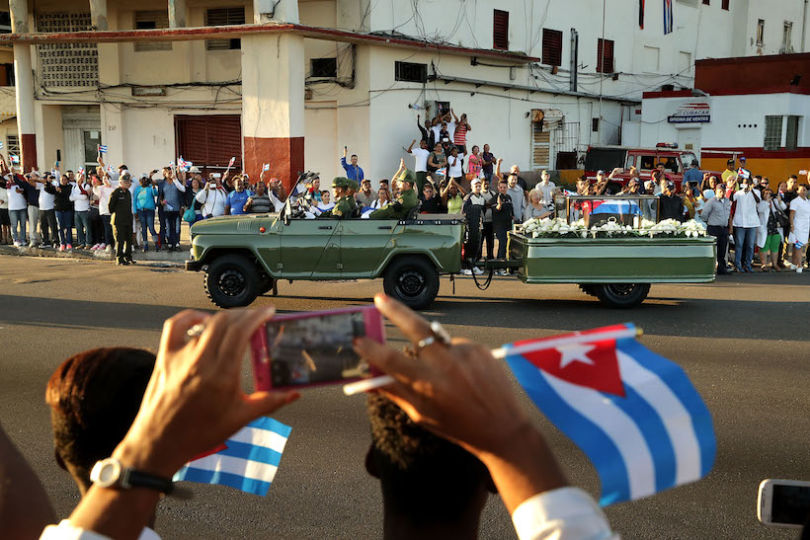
x=437 y=335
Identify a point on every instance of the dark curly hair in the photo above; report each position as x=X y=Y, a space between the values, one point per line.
x=94 y=397
x=423 y=476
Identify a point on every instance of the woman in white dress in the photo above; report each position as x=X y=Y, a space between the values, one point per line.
x=799 y=226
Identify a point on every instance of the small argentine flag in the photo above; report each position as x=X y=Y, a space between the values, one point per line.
x=635 y=414
x=102 y=148
x=248 y=462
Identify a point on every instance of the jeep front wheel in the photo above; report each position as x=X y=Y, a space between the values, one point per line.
x=232 y=281
x=412 y=281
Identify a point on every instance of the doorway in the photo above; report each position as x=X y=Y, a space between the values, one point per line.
x=82 y=131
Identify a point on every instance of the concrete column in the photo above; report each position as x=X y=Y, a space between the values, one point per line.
x=177 y=13
x=23 y=73
x=98 y=14
x=273 y=104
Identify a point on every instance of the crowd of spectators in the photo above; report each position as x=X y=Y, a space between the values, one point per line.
x=739 y=208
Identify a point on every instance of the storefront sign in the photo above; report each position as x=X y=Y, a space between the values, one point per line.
x=691 y=113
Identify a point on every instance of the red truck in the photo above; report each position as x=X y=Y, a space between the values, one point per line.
x=608 y=158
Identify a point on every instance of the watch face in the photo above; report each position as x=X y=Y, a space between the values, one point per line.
x=106 y=473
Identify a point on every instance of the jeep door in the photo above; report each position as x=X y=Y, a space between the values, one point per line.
x=364 y=243
x=310 y=248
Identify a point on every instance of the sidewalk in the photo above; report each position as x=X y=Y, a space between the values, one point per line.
x=168 y=258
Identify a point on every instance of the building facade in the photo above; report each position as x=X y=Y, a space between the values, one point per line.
x=290 y=83
x=756 y=107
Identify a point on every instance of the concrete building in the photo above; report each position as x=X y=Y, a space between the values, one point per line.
x=291 y=83
x=756 y=106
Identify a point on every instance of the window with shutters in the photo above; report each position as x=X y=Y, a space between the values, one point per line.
x=7 y=75
x=724 y=4
x=224 y=17
x=149 y=20
x=410 y=72
x=552 y=47
x=500 y=29
x=604 y=56
x=209 y=141
x=707 y=2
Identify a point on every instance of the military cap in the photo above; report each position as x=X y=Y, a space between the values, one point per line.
x=354 y=185
x=340 y=182
x=408 y=176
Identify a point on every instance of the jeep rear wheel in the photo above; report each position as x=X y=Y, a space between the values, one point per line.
x=231 y=281
x=622 y=295
x=412 y=281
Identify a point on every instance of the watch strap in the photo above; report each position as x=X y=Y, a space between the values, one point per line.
x=135 y=478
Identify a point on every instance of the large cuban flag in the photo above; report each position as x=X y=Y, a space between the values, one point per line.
x=248 y=460
x=635 y=414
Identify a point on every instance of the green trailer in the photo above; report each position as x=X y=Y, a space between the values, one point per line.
x=619 y=271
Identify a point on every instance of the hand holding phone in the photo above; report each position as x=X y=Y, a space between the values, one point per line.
x=313 y=349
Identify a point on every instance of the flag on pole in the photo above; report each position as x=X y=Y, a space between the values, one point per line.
x=102 y=149
x=248 y=462
x=15 y=159
x=641 y=14
x=265 y=167
x=668 y=17
x=80 y=172
x=181 y=162
x=635 y=414
x=231 y=162
x=1 y=145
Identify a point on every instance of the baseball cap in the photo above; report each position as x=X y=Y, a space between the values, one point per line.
x=671 y=185
x=475 y=181
x=742 y=158
x=600 y=172
x=194 y=170
x=730 y=162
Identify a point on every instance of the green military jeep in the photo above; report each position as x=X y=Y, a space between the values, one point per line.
x=244 y=256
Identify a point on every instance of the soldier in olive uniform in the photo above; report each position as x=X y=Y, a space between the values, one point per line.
x=406 y=200
x=345 y=205
x=121 y=209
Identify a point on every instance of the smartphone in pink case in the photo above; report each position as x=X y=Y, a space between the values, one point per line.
x=311 y=349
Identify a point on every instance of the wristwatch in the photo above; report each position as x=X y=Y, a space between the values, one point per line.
x=111 y=473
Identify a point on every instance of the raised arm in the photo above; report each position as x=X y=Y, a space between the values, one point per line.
x=410 y=147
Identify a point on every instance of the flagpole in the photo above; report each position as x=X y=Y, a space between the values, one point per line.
x=500 y=353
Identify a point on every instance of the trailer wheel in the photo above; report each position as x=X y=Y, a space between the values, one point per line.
x=413 y=281
x=231 y=281
x=622 y=295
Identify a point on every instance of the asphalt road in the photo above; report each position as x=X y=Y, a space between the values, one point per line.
x=743 y=341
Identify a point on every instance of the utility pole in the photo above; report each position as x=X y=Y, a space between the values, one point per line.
x=572 y=85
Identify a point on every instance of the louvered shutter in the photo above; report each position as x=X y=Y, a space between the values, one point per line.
x=552 y=47
x=210 y=141
x=500 y=29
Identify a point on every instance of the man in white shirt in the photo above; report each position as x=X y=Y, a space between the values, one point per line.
x=746 y=224
x=546 y=188
x=420 y=157
x=103 y=193
x=799 y=226
x=80 y=195
x=18 y=212
x=47 y=214
x=213 y=197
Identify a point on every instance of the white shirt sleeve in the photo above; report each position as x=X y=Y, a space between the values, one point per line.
x=67 y=531
x=561 y=514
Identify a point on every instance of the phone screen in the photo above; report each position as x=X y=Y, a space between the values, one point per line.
x=790 y=504
x=314 y=349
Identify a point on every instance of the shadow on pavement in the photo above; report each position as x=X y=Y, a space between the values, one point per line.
x=28 y=310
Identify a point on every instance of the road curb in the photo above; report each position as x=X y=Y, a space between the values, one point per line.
x=176 y=258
